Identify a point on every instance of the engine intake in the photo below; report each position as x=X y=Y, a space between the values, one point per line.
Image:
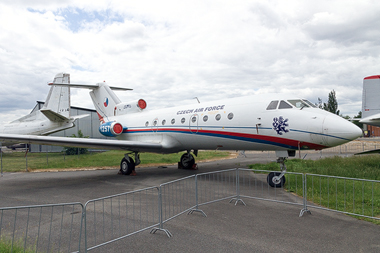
x=111 y=129
x=130 y=107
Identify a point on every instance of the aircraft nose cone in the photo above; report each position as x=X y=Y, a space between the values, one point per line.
x=339 y=130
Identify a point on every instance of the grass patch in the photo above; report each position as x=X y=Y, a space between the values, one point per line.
x=343 y=194
x=16 y=161
x=365 y=167
x=7 y=246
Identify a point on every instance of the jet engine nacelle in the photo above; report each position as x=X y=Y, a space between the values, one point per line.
x=130 y=107
x=111 y=129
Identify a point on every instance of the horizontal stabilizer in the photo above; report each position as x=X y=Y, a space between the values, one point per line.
x=53 y=116
x=56 y=117
x=87 y=86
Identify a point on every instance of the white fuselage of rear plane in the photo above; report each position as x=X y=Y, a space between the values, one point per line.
x=243 y=123
x=36 y=124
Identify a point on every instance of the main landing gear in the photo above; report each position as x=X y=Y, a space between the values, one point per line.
x=127 y=165
x=187 y=161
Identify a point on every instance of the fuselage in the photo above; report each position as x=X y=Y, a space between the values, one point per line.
x=264 y=122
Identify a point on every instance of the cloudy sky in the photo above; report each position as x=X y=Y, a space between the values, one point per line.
x=172 y=51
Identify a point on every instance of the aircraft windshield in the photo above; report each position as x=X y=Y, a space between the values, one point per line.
x=272 y=105
x=288 y=104
x=298 y=103
x=309 y=103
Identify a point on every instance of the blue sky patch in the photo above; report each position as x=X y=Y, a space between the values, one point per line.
x=79 y=68
x=76 y=17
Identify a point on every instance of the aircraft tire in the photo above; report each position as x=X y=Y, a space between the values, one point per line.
x=126 y=167
x=273 y=184
x=187 y=161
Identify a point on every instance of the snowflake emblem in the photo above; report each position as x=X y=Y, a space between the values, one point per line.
x=279 y=125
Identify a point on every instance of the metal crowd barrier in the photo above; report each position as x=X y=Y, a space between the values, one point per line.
x=118 y=216
x=73 y=227
x=42 y=228
x=359 y=197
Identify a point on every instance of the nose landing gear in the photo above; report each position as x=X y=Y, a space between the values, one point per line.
x=277 y=179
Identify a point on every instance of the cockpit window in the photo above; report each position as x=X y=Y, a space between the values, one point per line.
x=309 y=103
x=284 y=105
x=272 y=105
x=298 y=103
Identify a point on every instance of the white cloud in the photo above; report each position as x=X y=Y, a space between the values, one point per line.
x=173 y=51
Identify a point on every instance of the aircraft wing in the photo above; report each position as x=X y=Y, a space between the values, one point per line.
x=375 y=151
x=83 y=142
x=79 y=116
x=371 y=120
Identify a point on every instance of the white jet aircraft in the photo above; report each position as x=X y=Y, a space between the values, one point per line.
x=276 y=122
x=370 y=101
x=53 y=117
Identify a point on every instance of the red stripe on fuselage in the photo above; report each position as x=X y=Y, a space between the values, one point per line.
x=224 y=134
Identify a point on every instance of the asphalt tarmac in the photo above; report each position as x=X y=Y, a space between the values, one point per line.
x=261 y=226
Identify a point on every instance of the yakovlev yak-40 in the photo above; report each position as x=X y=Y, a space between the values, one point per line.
x=265 y=122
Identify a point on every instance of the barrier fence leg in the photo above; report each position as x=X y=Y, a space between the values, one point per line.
x=83 y=223
x=304 y=187
x=196 y=209
x=237 y=199
x=160 y=228
x=1 y=153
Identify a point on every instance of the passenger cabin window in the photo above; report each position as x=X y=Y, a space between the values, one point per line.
x=284 y=105
x=272 y=105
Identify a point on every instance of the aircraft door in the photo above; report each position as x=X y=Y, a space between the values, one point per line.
x=193 y=123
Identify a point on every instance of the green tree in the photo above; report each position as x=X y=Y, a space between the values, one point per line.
x=356 y=122
x=332 y=104
x=75 y=150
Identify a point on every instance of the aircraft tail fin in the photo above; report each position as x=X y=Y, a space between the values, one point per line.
x=371 y=93
x=57 y=104
x=104 y=100
x=106 y=103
